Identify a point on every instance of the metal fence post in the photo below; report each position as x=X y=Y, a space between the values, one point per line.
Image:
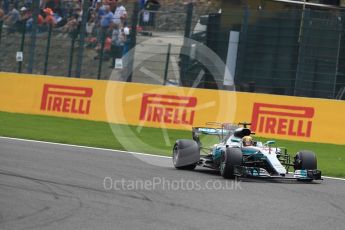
x=47 y=49
x=213 y=42
x=22 y=43
x=82 y=38
x=103 y=37
x=35 y=13
x=1 y=23
x=337 y=67
x=302 y=40
x=187 y=33
x=71 y=52
x=239 y=73
x=133 y=41
x=167 y=65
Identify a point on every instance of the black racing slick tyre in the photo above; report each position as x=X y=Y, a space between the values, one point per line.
x=230 y=159
x=305 y=160
x=186 y=154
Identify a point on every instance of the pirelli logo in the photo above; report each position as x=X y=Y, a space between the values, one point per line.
x=66 y=99
x=168 y=109
x=282 y=119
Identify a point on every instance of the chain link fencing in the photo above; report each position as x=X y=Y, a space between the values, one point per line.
x=287 y=52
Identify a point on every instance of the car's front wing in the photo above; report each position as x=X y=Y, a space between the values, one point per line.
x=244 y=171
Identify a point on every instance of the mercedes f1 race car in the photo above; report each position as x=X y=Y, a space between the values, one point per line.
x=236 y=154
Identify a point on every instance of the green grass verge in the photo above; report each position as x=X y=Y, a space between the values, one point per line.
x=331 y=158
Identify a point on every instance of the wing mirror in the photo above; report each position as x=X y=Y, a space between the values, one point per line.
x=268 y=143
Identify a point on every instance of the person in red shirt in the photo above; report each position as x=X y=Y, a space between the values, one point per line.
x=40 y=20
x=49 y=18
x=2 y=14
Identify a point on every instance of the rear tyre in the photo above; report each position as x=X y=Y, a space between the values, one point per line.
x=230 y=159
x=186 y=154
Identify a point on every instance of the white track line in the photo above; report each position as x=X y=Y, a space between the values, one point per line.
x=112 y=150
x=81 y=146
x=333 y=178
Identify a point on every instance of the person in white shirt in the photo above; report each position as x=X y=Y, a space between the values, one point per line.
x=119 y=11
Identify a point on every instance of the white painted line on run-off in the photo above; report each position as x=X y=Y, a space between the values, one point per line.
x=81 y=146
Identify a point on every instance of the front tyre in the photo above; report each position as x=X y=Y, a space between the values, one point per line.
x=305 y=160
x=230 y=159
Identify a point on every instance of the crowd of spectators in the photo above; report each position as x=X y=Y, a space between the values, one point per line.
x=106 y=25
x=106 y=21
x=18 y=15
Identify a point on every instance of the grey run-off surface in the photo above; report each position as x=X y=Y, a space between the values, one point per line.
x=48 y=186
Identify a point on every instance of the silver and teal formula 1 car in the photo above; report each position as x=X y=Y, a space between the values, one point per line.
x=234 y=158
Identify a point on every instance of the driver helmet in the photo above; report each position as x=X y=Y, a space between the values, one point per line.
x=247 y=141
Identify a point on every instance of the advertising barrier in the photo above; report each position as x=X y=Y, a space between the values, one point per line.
x=281 y=117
